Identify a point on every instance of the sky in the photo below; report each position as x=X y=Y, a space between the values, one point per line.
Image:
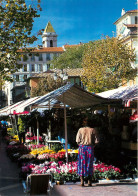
x=77 y=21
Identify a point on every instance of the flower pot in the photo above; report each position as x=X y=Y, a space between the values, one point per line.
x=59 y=182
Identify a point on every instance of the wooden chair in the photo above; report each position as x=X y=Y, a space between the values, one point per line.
x=39 y=184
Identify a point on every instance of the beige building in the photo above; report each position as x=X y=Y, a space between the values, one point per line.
x=35 y=62
x=127 y=31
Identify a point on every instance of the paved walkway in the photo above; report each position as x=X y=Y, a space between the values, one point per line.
x=123 y=189
x=9 y=175
x=11 y=186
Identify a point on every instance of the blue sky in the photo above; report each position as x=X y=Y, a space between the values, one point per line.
x=78 y=21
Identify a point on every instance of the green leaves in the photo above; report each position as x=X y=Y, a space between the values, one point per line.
x=71 y=58
x=46 y=85
x=16 y=22
x=106 y=64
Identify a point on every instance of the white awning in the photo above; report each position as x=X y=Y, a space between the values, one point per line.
x=17 y=107
x=124 y=93
x=71 y=95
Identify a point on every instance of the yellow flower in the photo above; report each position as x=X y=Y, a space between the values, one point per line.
x=75 y=151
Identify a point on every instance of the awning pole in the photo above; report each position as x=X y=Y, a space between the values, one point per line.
x=37 y=132
x=109 y=118
x=66 y=136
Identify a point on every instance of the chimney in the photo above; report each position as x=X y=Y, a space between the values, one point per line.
x=123 y=12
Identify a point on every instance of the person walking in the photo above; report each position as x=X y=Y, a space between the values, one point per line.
x=86 y=138
x=4 y=125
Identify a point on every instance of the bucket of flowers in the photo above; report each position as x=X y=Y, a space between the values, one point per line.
x=103 y=171
x=58 y=178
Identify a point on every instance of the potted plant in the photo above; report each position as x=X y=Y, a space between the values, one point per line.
x=59 y=178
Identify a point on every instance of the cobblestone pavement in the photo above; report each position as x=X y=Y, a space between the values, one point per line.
x=9 y=175
x=122 y=189
x=11 y=186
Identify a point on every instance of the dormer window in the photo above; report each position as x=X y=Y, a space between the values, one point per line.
x=51 y=43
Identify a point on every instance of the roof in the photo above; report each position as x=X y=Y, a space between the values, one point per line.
x=131 y=25
x=124 y=93
x=70 y=72
x=73 y=96
x=49 y=28
x=133 y=11
x=126 y=13
x=17 y=107
x=48 y=50
x=72 y=46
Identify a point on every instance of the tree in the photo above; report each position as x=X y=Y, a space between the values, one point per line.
x=16 y=22
x=71 y=58
x=46 y=85
x=106 y=64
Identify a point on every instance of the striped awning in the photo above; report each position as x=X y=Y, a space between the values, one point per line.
x=71 y=95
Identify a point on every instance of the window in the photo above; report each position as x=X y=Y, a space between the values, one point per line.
x=25 y=68
x=136 y=19
x=55 y=54
x=51 y=43
x=17 y=78
x=32 y=67
x=40 y=57
x=25 y=58
x=25 y=77
x=32 y=57
x=48 y=56
x=40 y=67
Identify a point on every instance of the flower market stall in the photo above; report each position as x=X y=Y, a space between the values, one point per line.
x=36 y=158
x=72 y=96
x=128 y=117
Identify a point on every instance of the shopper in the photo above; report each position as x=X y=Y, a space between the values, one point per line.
x=86 y=139
x=4 y=125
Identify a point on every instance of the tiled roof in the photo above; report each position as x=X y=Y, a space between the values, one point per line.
x=131 y=25
x=70 y=72
x=133 y=11
x=71 y=46
x=127 y=12
x=48 y=49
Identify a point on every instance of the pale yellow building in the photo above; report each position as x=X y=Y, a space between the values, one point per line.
x=127 y=31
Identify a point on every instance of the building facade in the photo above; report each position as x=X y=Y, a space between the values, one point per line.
x=33 y=63
x=127 y=31
x=38 y=61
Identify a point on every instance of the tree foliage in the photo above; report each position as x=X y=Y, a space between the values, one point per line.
x=46 y=85
x=106 y=64
x=71 y=58
x=16 y=22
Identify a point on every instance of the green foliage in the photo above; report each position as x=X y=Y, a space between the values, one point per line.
x=46 y=85
x=106 y=64
x=71 y=58
x=16 y=22
x=21 y=124
x=56 y=147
